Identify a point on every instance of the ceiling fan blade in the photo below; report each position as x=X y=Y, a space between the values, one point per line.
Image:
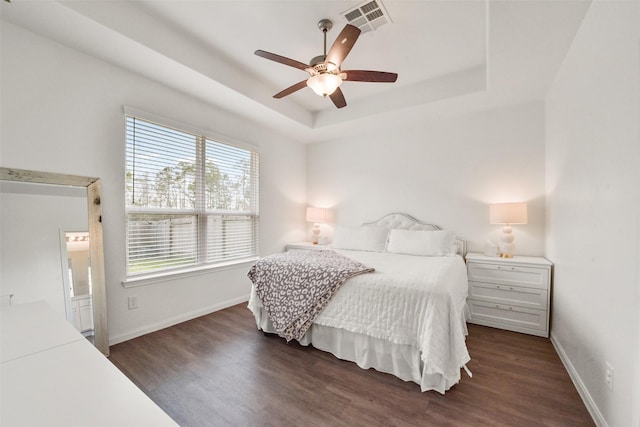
x=291 y=89
x=281 y=59
x=369 y=76
x=343 y=44
x=338 y=98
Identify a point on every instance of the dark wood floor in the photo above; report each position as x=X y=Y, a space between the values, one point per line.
x=218 y=370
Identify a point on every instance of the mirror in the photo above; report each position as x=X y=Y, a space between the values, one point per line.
x=94 y=214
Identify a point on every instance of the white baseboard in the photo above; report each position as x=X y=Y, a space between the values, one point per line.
x=577 y=381
x=175 y=320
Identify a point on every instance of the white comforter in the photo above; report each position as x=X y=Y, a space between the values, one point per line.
x=414 y=300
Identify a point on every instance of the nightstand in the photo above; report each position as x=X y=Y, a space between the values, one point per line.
x=510 y=293
x=307 y=246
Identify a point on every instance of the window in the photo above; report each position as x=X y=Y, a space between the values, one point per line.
x=191 y=201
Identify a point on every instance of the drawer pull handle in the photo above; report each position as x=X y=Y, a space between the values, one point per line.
x=510 y=308
x=510 y=288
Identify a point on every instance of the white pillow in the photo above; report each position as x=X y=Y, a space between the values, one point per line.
x=422 y=242
x=362 y=238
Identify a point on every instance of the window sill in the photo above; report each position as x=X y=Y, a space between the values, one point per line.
x=150 y=279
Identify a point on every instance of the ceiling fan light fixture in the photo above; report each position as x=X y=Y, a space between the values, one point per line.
x=326 y=75
x=331 y=67
x=324 y=84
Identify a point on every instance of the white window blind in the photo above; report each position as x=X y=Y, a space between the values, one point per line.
x=191 y=201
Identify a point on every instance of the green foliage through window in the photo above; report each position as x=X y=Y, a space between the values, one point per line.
x=190 y=200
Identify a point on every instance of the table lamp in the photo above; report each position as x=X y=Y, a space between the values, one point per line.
x=316 y=215
x=507 y=214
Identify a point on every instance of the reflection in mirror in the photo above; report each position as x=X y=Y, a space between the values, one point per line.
x=29 y=268
x=76 y=271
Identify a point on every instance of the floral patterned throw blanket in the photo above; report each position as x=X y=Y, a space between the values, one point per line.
x=295 y=286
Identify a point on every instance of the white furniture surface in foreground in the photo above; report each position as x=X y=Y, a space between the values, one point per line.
x=30 y=328
x=64 y=381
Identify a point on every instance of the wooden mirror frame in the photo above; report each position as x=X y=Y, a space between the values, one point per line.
x=99 y=295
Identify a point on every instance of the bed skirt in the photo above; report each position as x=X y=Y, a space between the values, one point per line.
x=400 y=360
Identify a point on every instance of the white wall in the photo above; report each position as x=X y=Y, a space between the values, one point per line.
x=30 y=261
x=444 y=171
x=592 y=179
x=62 y=112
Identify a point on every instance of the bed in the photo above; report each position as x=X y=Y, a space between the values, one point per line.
x=407 y=318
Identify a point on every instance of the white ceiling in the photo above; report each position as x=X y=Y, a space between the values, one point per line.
x=452 y=57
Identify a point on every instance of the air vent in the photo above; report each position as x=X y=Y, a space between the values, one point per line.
x=367 y=16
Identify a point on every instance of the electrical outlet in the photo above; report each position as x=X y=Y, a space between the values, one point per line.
x=608 y=375
x=133 y=302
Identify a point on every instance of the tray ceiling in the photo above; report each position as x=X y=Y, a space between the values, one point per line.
x=452 y=57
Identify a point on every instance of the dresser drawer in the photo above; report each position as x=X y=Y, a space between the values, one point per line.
x=508 y=275
x=307 y=246
x=510 y=295
x=508 y=317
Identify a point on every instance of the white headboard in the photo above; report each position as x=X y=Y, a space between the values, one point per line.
x=407 y=222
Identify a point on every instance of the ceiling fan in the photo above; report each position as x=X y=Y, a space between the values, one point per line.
x=324 y=70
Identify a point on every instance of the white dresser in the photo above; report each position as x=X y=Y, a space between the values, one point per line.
x=307 y=246
x=510 y=293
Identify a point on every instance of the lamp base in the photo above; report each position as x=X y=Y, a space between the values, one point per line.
x=315 y=233
x=507 y=248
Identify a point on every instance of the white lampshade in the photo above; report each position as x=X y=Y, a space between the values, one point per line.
x=508 y=213
x=324 y=84
x=317 y=214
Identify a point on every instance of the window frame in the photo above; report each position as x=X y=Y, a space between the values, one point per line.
x=202 y=266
